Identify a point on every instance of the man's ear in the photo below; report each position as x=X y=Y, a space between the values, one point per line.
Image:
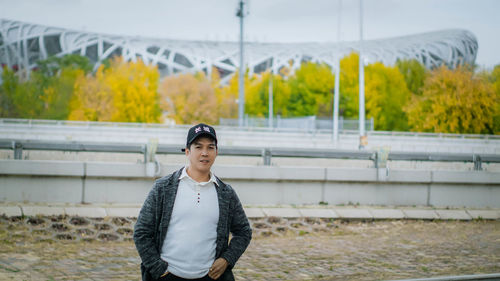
x=187 y=151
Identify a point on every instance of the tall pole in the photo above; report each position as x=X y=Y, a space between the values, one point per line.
x=337 y=85
x=271 y=98
x=241 y=81
x=362 y=137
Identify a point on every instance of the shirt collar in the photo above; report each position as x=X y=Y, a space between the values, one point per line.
x=184 y=175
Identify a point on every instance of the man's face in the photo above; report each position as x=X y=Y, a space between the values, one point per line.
x=201 y=154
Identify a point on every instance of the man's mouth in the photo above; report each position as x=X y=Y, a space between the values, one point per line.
x=205 y=161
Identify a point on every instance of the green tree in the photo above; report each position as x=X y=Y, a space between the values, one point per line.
x=414 y=74
x=311 y=90
x=257 y=95
x=47 y=92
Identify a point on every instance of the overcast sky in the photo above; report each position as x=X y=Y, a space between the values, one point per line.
x=268 y=20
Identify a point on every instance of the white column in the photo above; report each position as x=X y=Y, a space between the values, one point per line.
x=241 y=81
x=361 y=80
x=336 y=95
x=271 y=98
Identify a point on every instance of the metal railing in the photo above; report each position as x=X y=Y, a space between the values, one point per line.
x=93 y=124
x=379 y=157
x=306 y=123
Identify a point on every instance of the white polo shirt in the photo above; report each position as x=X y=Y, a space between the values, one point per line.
x=189 y=246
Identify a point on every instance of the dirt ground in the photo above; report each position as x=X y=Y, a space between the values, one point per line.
x=381 y=250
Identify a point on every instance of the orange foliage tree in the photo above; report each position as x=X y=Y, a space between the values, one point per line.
x=189 y=99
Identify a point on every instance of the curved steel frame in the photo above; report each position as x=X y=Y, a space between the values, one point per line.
x=23 y=44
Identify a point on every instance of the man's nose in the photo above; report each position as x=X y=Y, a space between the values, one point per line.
x=204 y=151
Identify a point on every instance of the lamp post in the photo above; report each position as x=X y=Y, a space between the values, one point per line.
x=337 y=85
x=241 y=80
x=362 y=136
x=271 y=98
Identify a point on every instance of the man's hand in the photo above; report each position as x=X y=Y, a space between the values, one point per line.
x=218 y=268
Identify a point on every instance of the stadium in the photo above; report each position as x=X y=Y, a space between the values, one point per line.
x=23 y=44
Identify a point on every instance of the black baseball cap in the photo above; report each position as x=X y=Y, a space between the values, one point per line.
x=198 y=131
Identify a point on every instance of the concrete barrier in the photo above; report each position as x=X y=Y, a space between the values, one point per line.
x=126 y=183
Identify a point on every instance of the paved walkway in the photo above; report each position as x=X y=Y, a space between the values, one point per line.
x=333 y=212
x=378 y=250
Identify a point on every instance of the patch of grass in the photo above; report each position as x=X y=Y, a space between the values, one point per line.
x=302 y=232
x=9 y=268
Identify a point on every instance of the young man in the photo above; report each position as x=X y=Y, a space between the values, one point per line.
x=183 y=228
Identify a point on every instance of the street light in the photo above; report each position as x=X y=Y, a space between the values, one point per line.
x=362 y=134
x=337 y=85
x=241 y=86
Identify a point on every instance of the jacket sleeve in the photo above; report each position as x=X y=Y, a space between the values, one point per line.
x=240 y=230
x=144 y=235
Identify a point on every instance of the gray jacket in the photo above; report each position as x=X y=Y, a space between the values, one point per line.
x=154 y=217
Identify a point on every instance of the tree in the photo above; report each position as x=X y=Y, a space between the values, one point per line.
x=189 y=99
x=122 y=92
x=93 y=98
x=227 y=95
x=135 y=91
x=47 y=92
x=386 y=93
x=349 y=86
x=453 y=101
x=414 y=74
x=257 y=95
x=495 y=74
x=311 y=90
x=385 y=96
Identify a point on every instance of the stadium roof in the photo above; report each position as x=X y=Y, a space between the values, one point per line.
x=23 y=44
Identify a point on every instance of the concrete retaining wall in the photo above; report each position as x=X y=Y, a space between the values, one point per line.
x=123 y=183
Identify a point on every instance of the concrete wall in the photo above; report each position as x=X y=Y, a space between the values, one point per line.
x=124 y=183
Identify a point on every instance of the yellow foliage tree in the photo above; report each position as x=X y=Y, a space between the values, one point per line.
x=227 y=96
x=122 y=92
x=189 y=99
x=349 y=86
x=135 y=91
x=93 y=99
x=453 y=101
x=386 y=93
x=496 y=86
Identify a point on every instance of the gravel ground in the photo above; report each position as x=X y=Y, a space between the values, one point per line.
x=381 y=250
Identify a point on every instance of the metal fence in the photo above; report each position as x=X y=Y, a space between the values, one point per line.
x=306 y=123
x=346 y=129
x=379 y=157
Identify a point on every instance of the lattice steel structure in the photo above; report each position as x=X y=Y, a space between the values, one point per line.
x=23 y=44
